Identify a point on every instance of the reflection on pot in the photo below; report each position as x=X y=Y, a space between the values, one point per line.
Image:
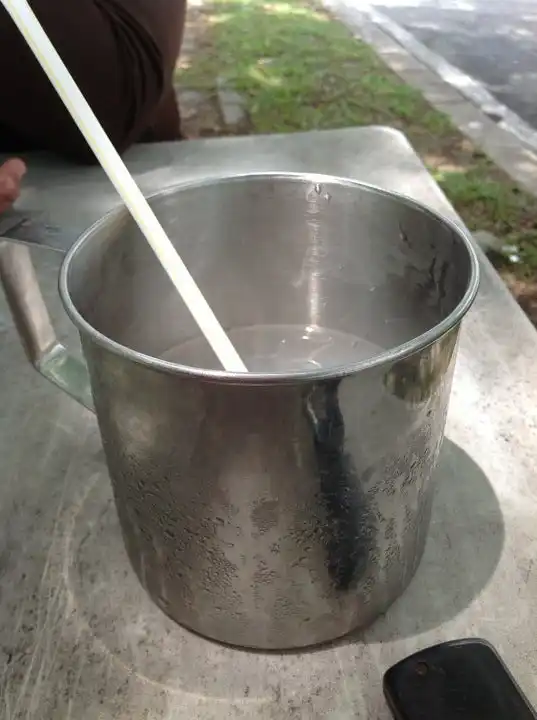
x=417 y=377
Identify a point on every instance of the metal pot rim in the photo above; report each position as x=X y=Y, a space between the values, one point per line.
x=221 y=376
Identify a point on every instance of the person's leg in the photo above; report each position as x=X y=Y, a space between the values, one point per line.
x=166 y=125
x=165 y=21
x=121 y=53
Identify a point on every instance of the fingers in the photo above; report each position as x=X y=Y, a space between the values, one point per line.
x=14 y=167
x=11 y=174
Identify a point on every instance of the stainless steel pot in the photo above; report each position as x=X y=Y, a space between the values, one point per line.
x=285 y=507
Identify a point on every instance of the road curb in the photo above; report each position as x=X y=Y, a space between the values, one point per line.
x=418 y=66
x=468 y=86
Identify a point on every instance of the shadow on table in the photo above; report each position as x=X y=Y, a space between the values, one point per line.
x=463 y=549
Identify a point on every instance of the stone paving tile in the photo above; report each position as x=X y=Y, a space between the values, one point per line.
x=200 y=116
x=430 y=85
x=206 y=112
x=488 y=242
x=190 y=101
x=232 y=105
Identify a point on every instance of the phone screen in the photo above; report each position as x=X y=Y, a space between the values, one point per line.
x=461 y=680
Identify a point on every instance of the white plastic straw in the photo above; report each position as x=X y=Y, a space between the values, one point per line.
x=116 y=170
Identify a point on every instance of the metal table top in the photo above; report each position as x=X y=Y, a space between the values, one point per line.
x=78 y=636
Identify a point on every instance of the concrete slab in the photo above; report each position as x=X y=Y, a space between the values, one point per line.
x=78 y=636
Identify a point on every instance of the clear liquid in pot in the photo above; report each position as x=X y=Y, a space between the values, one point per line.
x=279 y=349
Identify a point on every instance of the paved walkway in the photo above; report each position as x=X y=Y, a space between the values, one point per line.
x=493 y=41
x=487 y=49
x=508 y=140
x=204 y=112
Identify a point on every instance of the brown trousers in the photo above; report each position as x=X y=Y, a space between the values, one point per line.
x=122 y=54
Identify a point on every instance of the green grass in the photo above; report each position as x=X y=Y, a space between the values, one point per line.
x=298 y=69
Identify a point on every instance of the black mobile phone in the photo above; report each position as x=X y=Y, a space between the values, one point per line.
x=458 y=680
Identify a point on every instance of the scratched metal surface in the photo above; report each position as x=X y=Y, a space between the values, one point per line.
x=79 y=638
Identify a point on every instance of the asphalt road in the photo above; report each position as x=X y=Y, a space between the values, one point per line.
x=493 y=41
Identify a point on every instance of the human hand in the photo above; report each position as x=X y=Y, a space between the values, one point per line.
x=11 y=174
